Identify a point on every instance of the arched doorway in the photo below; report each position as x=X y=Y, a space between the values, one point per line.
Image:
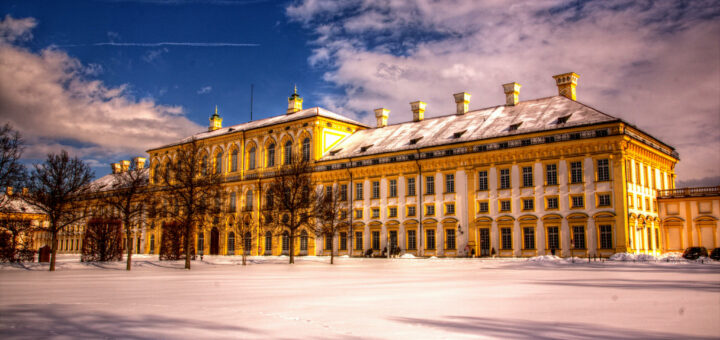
x=214 y=241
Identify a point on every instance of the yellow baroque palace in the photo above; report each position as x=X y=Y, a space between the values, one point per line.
x=526 y=178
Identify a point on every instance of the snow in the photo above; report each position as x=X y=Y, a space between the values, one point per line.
x=400 y=298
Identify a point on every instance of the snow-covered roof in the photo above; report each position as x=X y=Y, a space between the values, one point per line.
x=108 y=181
x=527 y=116
x=307 y=113
x=16 y=204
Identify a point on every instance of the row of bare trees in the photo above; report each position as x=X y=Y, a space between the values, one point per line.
x=188 y=194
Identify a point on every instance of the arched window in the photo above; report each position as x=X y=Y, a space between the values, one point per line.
x=233 y=202
x=234 y=160
x=303 y=241
x=231 y=243
x=285 y=241
x=268 y=200
x=306 y=149
x=152 y=244
x=247 y=242
x=249 y=200
x=268 y=242
x=156 y=175
x=204 y=166
x=218 y=163
x=271 y=155
x=201 y=242
x=288 y=152
x=251 y=159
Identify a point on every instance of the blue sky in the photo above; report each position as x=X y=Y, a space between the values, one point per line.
x=95 y=78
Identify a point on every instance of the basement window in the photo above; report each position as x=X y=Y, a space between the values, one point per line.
x=563 y=120
x=415 y=140
x=458 y=134
x=514 y=127
x=525 y=142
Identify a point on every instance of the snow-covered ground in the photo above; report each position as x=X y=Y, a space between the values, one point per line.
x=362 y=298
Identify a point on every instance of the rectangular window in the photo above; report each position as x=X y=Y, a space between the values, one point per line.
x=606 y=239
x=647 y=204
x=392 y=212
x=343 y=215
x=483 y=181
x=504 y=178
x=393 y=188
x=430 y=185
x=604 y=200
x=358 y=240
x=551 y=174
x=529 y=237
x=233 y=202
x=528 y=204
x=430 y=239
x=412 y=242
x=657 y=238
x=483 y=207
x=375 y=212
x=328 y=242
x=553 y=237
x=638 y=171
x=358 y=213
x=376 y=189
x=576 y=172
x=527 y=174
x=505 y=205
x=578 y=240
x=429 y=210
x=359 y=191
x=411 y=186
x=577 y=202
x=343 y=241
x=506 y=235
x=603 y=170
x=449 y=183
x=376 y=240
x=631 y=200
x=450 y=209
x=449 y=239
x=411 y=211
x=343 y=192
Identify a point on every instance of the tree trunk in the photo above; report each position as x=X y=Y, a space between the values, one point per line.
x=292 y=248
x=332 y=250
x=53 y=247
x=188 y=230
x=244 y=257
x=129 y=245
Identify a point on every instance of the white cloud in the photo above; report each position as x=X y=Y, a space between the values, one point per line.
x=205 y=90
x=12 y=29
x=654 y=64
x=152 y=55
x=52 y=100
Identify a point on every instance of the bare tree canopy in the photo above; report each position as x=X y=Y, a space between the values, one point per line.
x=293 y=200
x=189 y=190
x=102 y=240
x=331 y=215
x=55 y=188
x=11 y=148
x=125 y=195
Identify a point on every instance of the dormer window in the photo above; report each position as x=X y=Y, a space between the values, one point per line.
x=334 y=152
x=458 y=134
x=415 y=140
x=514 y=127
x=364 y=148
x=564 y=119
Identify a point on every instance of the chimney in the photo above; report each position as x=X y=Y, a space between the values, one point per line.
x=25 y=191
x=139 y=162
x=382 y=117
x=566 y=84
x=418 y=110
x=124 y=166
x=294 y=102
x=512 y=93
x=115 y=168
x=9 y=191
x=462 y=101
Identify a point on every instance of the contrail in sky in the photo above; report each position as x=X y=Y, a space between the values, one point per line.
x=166 y=43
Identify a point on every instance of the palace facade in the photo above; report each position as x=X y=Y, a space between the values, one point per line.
x=525 y=178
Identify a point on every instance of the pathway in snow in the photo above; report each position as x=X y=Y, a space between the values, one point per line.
x=363 y=298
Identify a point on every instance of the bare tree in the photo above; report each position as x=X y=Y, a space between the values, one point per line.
x=245 y=226
x=102 y=240
x=125 y=194
x=55 y=188
x=293 y=200
x=17 y=241
x=191 y=190
x=331 y=216
x=11 y=148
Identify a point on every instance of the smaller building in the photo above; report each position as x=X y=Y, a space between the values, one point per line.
x=689 y=217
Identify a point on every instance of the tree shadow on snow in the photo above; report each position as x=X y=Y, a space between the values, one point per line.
x=707 y=286
x=527 y=329
x=72 y=321
x=626 y=267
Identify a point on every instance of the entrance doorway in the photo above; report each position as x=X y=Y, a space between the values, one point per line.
x=484 y=242
x=214 y=241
